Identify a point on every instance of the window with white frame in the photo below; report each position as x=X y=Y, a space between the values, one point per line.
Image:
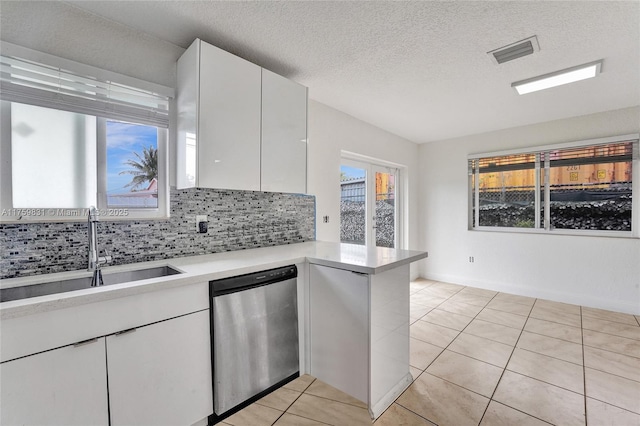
x=73 y=137
x=582 y=187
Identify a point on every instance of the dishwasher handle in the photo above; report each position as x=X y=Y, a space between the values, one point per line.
x=248 y=281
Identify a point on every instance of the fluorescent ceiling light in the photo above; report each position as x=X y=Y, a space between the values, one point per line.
x=558 y=78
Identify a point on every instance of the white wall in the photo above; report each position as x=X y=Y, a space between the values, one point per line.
x=332 y=131
x=602 y=272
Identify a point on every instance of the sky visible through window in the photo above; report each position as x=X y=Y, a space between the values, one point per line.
x=123 y=140
x=349 y=172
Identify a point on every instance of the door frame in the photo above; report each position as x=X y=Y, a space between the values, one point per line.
x=371 y=165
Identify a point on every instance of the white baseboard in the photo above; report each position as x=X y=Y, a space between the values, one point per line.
x=628 y=307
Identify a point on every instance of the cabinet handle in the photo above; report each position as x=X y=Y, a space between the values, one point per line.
x=129 y=330
x=85 y=342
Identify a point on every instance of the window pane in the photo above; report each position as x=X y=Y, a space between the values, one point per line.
x=385 y=209
x=507 y=191
x=591 y=188
x=53 y=158
x=132 y=165
x=353 y=190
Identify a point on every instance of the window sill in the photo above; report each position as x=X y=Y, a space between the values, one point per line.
x=559 y=231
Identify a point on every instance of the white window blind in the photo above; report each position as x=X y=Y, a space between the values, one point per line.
x=34 y=83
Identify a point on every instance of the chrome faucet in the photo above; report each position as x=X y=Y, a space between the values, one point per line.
x=95 y=261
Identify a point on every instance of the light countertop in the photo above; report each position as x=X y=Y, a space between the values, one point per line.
x=197 y=269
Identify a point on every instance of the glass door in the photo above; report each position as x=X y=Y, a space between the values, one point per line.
x=353 y=203
x=384 y=210
x=368 y=204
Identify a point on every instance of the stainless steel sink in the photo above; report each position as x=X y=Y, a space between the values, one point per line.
x=53 y=287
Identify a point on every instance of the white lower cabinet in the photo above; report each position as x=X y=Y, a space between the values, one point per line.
x=65 y=386
x=359 y=332
x=157 y=374
x=160 y=374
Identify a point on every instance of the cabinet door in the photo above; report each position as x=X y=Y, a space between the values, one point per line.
x=228 y=140
x=160 y=374
x=284 y=134
x=66 y=386
x=339 y=329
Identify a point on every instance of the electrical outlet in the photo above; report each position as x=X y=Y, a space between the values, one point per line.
x=472 y=259
x=325 y=219
x=201 y=223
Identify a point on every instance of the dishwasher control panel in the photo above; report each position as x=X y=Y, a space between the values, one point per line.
x=238 y=283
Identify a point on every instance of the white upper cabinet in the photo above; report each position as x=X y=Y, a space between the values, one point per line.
x=239 y=126
x=284 y=134
x=218 y=141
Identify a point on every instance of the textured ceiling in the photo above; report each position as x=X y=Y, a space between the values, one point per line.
x=417 y=69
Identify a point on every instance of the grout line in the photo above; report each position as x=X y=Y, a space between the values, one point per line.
x=507 y=363
x=611 y=334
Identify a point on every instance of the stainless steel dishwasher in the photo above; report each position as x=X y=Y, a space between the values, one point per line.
x=254 y=332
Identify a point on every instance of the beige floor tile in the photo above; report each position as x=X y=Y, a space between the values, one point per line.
x=397 y=415
x=301 y=383
x=328 y=411
x=500 y=415
x=460 y=308
x=482 y=349
x=502 y=318
x=615 y=328
x=611 y=343
x=422 y=353
x=512 y=308
x=478 y=291
x=280 y=399
x=417 y=311
x=442 y=402
x=554 y=329
x=544 y=401
x=254 y=415
x=551 y=346
x=448 y=286
x=637 y=319
x=447 y=319
x=471 y=374
x=514 y=298
x=293 y=420
x=611 y=362
x=321 y=389
x=495 y=332
x=432 y=333
x=544 y=313
x=614 y=390
x=551 y=370
x=558 y=306
x=602 y=414
x=415 y=372
x=440 y=292
x=419 y=285
x=426 y=299
x=471 y=299
x=609 y=316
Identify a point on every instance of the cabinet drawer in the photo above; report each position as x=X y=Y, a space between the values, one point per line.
x=47 y=330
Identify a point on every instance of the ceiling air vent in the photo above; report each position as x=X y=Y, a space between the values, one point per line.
x=515 y=50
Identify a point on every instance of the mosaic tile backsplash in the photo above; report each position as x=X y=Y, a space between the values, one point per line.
x=237 y=220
